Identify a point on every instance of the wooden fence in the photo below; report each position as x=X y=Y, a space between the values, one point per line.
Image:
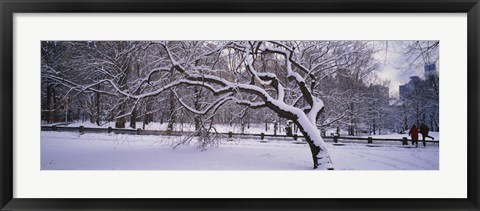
x=262 y=136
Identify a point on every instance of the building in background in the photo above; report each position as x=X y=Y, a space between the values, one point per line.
x=407 y=89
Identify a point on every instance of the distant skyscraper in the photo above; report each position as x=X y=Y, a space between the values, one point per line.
x=406 y=89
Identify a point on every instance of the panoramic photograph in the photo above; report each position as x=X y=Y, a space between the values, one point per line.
x=240 y=105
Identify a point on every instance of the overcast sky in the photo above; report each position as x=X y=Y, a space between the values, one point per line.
x=394 y=66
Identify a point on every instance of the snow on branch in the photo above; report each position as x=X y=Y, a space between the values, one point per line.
x=265 y=78
x=250 y=104
x=214 y=105
x=291 y=74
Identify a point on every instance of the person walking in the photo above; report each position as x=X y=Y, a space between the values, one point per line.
x=414 y=134
x=424 y=131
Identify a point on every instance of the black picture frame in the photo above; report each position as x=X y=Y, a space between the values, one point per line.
x=9 y=7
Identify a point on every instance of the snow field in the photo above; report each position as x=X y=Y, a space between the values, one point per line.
x=72 y=151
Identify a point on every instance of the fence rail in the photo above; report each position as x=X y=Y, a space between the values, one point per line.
x=262 y=136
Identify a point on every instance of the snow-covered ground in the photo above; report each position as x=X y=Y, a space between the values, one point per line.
x=70 y=150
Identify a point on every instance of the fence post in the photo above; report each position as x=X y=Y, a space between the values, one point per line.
x=370 y=140
x=230 y=134
x=295 y=136
x=262 y=136
x=405 y=141
x=54 y=127
x=81 y=129
x=335 y=138
x=139 y=131
x=109 y=129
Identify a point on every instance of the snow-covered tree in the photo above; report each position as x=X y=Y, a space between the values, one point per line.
x=205 y=77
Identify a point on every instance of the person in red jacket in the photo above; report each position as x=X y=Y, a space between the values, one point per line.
x=414 y=134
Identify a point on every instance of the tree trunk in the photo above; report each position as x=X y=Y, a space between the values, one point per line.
x=248 y=119
x=92 y=118
x=122 y=82
x=54 y=115
x=97 y=106
x=196 y=104
x=120 y=123
x=275 y=125
x=351 y=129
x=48 y=105
x=320 y=156
x=172 y=118
x=148 y=108
x=405 y=119
x=145 y=117
x=133 y=119
x=417 y=115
